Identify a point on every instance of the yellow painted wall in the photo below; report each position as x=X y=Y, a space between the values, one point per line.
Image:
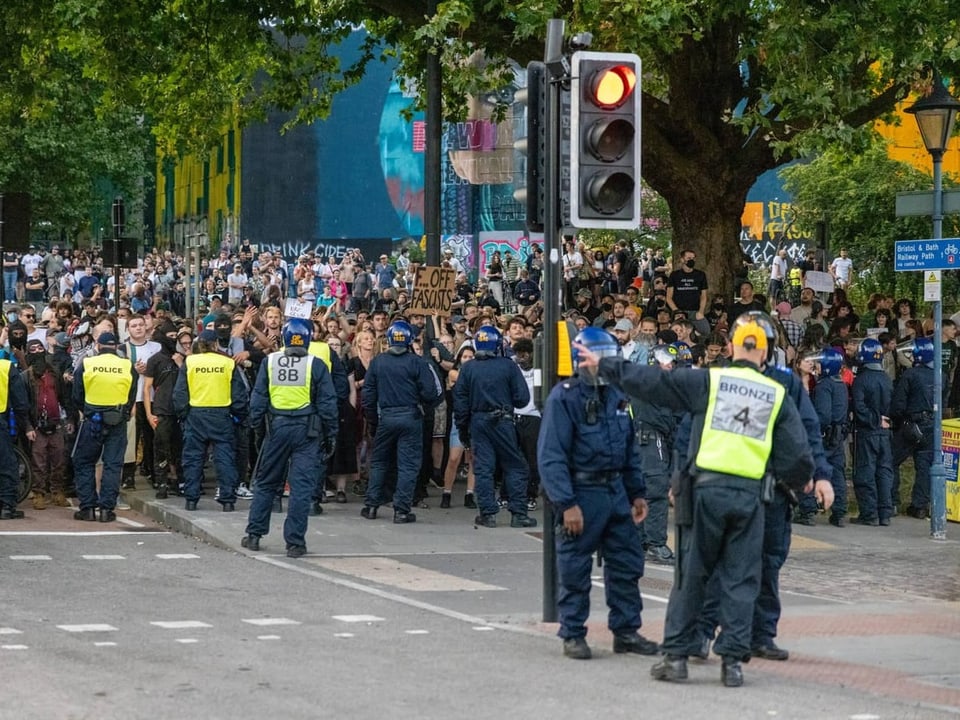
x=907 y=145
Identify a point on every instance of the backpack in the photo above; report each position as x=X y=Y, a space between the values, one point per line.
x=633 y=267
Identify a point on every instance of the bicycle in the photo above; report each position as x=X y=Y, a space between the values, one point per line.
x=24 y=474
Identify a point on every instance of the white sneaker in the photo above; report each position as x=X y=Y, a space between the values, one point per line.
x=121 y=505
x=243 y=493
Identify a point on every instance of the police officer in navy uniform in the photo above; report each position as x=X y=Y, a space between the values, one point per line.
x=13 y=399
x=211 y=397
x=396 y=388
x=294 y=389
x=590 y=469
x=873 y=470
x=105 y=387
x=655 y=428
x=831 y=401
x=745 y=428
x=486 y=395
x=912 y=408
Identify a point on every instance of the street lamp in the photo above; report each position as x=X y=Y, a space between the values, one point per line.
x=935 y=115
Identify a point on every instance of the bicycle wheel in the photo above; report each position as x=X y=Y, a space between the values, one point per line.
x=24 y=474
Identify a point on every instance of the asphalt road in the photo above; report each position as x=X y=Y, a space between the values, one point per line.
x=149 y=624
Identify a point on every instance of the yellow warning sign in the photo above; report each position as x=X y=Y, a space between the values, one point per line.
x=934 y=277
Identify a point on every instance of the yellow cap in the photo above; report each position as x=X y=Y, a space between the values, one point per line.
x=750 y=333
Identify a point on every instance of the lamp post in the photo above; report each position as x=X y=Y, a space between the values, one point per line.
x=935 y=115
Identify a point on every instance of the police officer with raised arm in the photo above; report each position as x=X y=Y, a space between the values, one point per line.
x=105 y=388
x=745 y=430
x=397 y=387
x=487 y=393
x=590 y=469
x=211 y=397
x=295 y=391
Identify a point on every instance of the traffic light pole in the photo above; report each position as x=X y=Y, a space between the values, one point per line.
x=555 y=62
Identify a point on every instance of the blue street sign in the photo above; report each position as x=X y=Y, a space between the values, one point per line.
x=941 y=254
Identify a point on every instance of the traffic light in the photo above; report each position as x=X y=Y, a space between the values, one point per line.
x=605 y=138
x=532 y=147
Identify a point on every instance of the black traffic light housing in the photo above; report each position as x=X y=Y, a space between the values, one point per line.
x=533 y=146
x=605 y=139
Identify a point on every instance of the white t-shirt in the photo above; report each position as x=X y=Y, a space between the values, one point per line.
x=235 y=295
x=841 y=268
x=141 y=353
x=778 y=271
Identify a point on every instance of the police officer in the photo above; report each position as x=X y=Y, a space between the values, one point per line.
x=831 y=401
x=873 y=469
x=655 y=427
x=14 y=400
x=589 y=463
x=295 y=390
x=912 y=408
x=745 y=429
x=484 y=400
x=211 y=397
x=396 y=388
x=105 y=387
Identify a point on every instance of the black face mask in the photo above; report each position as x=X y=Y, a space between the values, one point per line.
x=718 y=306
x=18 y=340
x=690 y=263
x=167 y=344
x=222 y=331
x=37 y=362
x=606 y=307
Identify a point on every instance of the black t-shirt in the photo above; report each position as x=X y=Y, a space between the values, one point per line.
x=623 y=260
x=687 y=287
x=163 y=371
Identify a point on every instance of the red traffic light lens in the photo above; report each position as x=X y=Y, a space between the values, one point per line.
x=612 y=86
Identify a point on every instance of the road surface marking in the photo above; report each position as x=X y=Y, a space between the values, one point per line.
x=343 y=635
x=271 y=621
x=645 y=596
x=187 y=641
x=357 y=618
x=388 y=571
x=483 y=628
x=89 y=627
x=268 y=637
x=131 y=523
x=10 y=631
x=30 y=557
x=417 y=632
x=14 y=647
x=177 y=556
x=103 y=557
x=80 y=533
x=180 y=624
x=104 y=644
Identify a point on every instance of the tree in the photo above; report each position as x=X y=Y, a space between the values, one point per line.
x=730 y=89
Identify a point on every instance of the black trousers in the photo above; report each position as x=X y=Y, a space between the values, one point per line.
x=145 y=436
x=528 y=430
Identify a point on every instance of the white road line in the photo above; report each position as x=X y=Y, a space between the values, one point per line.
x=10 y=631
x=817 y=597
x=177 y=556
x=268 y=637
x=131 y=523
x=357 y=618
x=14 y=647
x=103 y=557
x=343 y=635
x=645 y=596
x=271 y=621
x=104 y=644
x=79 y=533
x=483 y=628
x=417 y=632
x=187 y=641
x=89 y=627
x=180 y=624
x=30 y=557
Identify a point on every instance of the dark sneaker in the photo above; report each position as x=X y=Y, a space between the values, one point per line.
x=532 y=504
x=503 y=503
x=918 y=513
x=659 y=554
x=296 y=551
x=522 y=521
x=770 y=652
x=860 y=520
x=228 y=507
x=368 y=513
x=191 y=505
x=671 y=669
x=11 y=513
x=341 y=497
x=316 y=508
x=469 y=501
x=731 y=673
x=634 y=643
x=250 y=542
x=89 y=514
x=402 y=518
x=804 y=519
x=489 y=521
x=837 y=521
x=884 y=522
x=107 y=515
x=445 y=501
x=162 y=493
x=577 y=649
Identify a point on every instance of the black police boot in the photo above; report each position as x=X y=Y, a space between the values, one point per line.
x=296 y=551
x=402 y=518
x=162 y=492
x=671 y=668
x=489 y=521
x=191 y=505
x=469 y=501
x=107 y=515
x=10 y=513
x=368 y=513
x=250 y=542
x=89 y=514
x=316 y=508
x=228 y=507
x=520 y=520
x=445 y=501
x=770 y=652
x=731 y=673
x=577 y=649
x=634 y=643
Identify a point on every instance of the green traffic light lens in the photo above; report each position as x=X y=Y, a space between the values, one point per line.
x=609 y=193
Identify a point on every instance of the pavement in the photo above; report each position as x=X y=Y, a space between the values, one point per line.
x=868 y=610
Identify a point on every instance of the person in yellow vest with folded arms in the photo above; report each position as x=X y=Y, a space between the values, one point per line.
x=211 y=398
x=105 y=389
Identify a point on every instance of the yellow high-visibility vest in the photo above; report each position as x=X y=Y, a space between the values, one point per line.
x=209 y=378
x=107 y=379
x=289 y=380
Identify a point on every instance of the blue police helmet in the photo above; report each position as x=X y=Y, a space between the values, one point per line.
x=599 y=341
x=870 y=354
x=399 y=337
x=297 y=333
x=487 y=342
x=831 y=362
x=766 y=324
x=662 y=355
x=684 y=355
x=922 y=352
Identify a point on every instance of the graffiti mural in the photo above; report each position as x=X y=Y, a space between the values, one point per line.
x=518 y=243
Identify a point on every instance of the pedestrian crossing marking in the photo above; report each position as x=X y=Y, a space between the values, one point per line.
x=187 y=641
x=180 y=624
x=14 y=647
x=417 y=632
x=483 y=628
x=30 y=557
x=357 y=618
x=10 y=631
x=271 y=621
x=405 y=576
x=343 y=635
x=268 y=637
x=103 y=557
x=177 y=556
x=104 y=644
x=89 y=627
